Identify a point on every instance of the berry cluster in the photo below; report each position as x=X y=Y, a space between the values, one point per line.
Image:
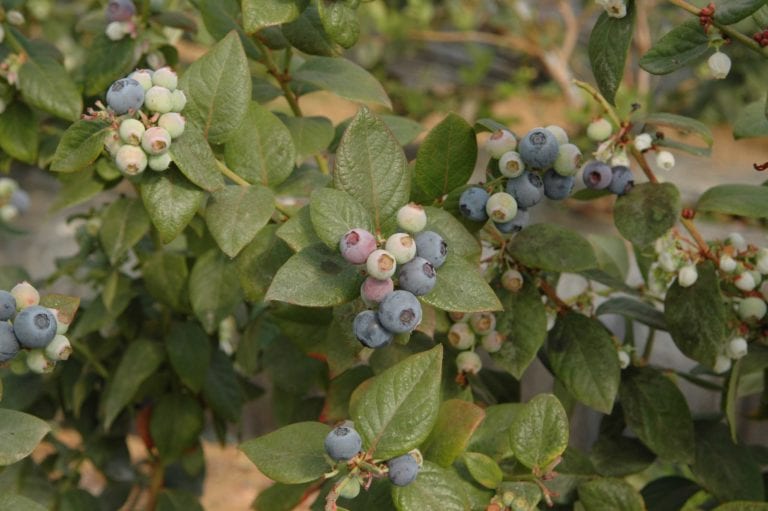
x=343 y=443
x=120 y=20
x=13 y=200
x=141 y=138
x=542 y=164
x=415 y=255
x=761 y=37
x=24 y=323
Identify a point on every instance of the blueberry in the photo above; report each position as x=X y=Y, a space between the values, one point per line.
x=402 y=246
x=173 y=122
x=527 y=189
x=131 y=160
x=622 y=180
x=155 y=140
x=512 y=280
x=7 y=305
x=159 y=99
x=120 y=10
x=9 y=345
x=373 y=291
x=500 y=142
x=403 y=470
x=131 y=131
x=369 y=331
x=491 y=342
x=159 y=162
x=461 y=336
x=599 y=130
x=597 y=175
x=343 y=443
x=417 y=276
x=472 y=204
x=381 y=264
x=539 y=148
x=432 y=247
x=517 y=224
x=559 y=133
x=35 y=327
x=124 y=95
x=469 y=362
x=412 y=217
x=178 y=100
x=482 y=322
x=400 y=312
x=511 y=164
x=556 y=186
x=568 y=160
x=144 y=77
x=165 y=77
x=356 y=245
x=501 y=207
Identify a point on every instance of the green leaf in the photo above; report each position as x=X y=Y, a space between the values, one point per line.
x=335 y=212
x=539 y=432
x=729 y=12
x=221 y=390
x=223 y=17
x=45 y=84
x=461 y=288
x=19 y=435
x=725 y=469
x=397 y=410
x=298 y=231
x=456 y=422
x=80 y=145
x=236 y=214
x=446 y=158
x=260 y=150
x=177 y=500
x=344 y=78
x=165 y=277
x=676 y=49
x=434 y=488
x=190 y=353
x=742 y=506
x=583 y=357
x=171 y=202
x=311 y=135
x=308 y=35
x=609 y=495
x=339 y=22
x=315 y=277
x=658 y=414
x=751 y=121
x=461 y=243
x=371 y=166
x=218 y=89
x=77 y=188
x=484 y=469
x=258 y=14
x=612 y=255
x=195 y=160
x=491 y=436
x=524 y=324
x=696 y=316
x=123 y=224
x=13 y=502
x=258 y=262
x=213 y=289
x=730 y=399
x=552 y=248
x=608 y=46
x=281 y=497
x=647 y=212
x=614 y=454
x=634 y=309
x=175 y=424
x=685 y=125
x=65 y=305
x=107 y=61
x=488 y=125
x=291 y=455
x=736 y=199
x=140 y=361
x=19 y=136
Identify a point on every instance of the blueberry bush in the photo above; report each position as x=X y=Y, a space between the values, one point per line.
x=387 y=288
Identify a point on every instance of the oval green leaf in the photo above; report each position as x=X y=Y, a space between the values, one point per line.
x=647 y=212
x=539 y=432
x=19 y=435
x=552 y=248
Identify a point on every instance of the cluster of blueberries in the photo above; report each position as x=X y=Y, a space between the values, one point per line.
x=344 y=443
x=13 y=200
x=542 y=164
x=24 y=323
x=120 y=22
x=140 y=139
x=415 y=255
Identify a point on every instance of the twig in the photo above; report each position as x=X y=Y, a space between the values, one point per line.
x=601 y=100
x=552 y=295
x=231 y=174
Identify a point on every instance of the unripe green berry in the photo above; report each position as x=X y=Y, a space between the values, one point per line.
x=752 y=309
x=459 y=317
x=159 y=162
x=511 y=164
x=469 y=362
x=8 y=213
x=512 y=280
x=158 y=99
x=38 y=363
x=59 y=348
x=116 y=30
x=624 y=359
x=402 y=246
x=165 y=77
x=412 y=218
x=568 y=160
x=761 y=264
x=178 y=100
x=26 y=295
x=131 y=160
x=351 y=488
x=599 y=130
x=559 y=133
x=144 y=77
x=501 y=207
x=500 y=142
x=131 y=131
x=460 y=336
x=482 y=322
x=174 y=123
x=112 y=142
x=381 y=264
x=156 y=140
x=492 y=341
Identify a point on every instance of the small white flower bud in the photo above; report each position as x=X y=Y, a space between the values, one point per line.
x=665 y=160
x=737 y=348
x=643 y=142
x=624 y=359
x=719 y=64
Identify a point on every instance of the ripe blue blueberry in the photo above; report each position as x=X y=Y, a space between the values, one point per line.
x=597 y=175
x=120 y=10
x=538 y=149
x=527 y=189
x=35 y=327
x=417 y=276
x=622 y=180
x=369 y=331
x=403 y=470
x=400 y=312
x=9 y=345
x=7 y=306
x=517 y=224
x=556 y=186
x=432 y=247
x=356 y=245
x=472 y=204
x=124 y=95
x=343 y=443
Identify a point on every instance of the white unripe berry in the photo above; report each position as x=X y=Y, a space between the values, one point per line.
x=745 y=281
x=761 y=264
x=178 y=100
x=722 y=364
x=469 y=362
x=131 y=131
x=599 y=130
x=559 y=133
x=461 y=336
x=381 y=264
x=492 y=342
x=752 y=308
x=116 y=30
x=165 y=77
x=131 y=160
x=687 y=276
x=643 y=142
x=500 y=142
x=144 y=77
x=158 y=99
x=665 y=160
x=727 y=263
x=512 y=280
x=719 y=64
x=174 y=123
x=737 y=348
x=412 y=218
x=59 y=348
x=624 y=359
x=159 y=162
x=737 y=241
x=25 y=294
x=38 y=362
